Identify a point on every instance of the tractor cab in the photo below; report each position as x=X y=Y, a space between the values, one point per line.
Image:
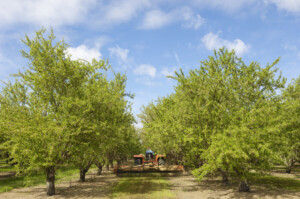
x=149 y=155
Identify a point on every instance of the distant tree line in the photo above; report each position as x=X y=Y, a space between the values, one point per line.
x=227 y=117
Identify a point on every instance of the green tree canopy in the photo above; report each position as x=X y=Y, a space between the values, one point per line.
x=62 y=111
x=221 y=116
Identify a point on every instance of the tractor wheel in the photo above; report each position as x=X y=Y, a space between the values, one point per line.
x=138 y=161
x=161 y=161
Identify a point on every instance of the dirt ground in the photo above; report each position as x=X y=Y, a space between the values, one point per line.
x=94 y=187
x=184 y=186
x=187 y=187
x=4 y=175
x=7 y=174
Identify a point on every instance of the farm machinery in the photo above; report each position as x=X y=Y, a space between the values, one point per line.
x=149 y=158
x=148 y=163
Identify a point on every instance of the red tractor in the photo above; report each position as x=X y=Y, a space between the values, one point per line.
x=149 y=158
x=148 y=163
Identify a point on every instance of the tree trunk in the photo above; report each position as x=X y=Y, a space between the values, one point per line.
x=107 y=167
x=100 y=166
x=99 y=172
x=289 y=167
x=244 y=186
x=111 y=164
x=82 y=175
x=83 y=172
x=224 y=176
x=289 y=164
x=6 y=156
x=50 y=181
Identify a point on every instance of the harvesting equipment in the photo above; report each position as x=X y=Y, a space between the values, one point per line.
x=148 y=163
x=149 y=158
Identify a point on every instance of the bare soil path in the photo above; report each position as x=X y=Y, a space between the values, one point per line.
x=7 y=174
x=94 y=187
x=186 y=186
x=183 y=187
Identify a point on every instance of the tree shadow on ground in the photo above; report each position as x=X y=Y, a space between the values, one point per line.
x=188 y=187
x=94 y=187
x=146 y=183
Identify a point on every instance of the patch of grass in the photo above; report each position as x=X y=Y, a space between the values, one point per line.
x=7 y=168
x=2 y=163
x=148 y=185
x=21 y=181
x=295 y=170
x=278 y=182
x=63 y=174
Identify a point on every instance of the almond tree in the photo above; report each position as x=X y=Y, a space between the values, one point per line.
x=39 y=108
x=288 y=142
x=223 y=116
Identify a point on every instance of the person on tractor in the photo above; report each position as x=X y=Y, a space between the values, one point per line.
x=149 y=154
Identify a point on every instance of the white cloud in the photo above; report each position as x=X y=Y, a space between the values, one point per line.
x=120 y=11
x=236 y=5
x=193 y=21
x=156 y=18
x=100 y=41
x=227 y=6
x=289 y=46
x=138 y=125
x=287 y=5
x=212 y=41
x=83 y=52
x=168 y=71
x=148 y=81
x=43 y=12
x=145 y=69
x=120 y=53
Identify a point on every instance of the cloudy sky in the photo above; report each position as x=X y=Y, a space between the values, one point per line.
x=150 y=39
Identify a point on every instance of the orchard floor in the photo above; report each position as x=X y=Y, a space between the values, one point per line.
x=182 y=187
x=188 y=187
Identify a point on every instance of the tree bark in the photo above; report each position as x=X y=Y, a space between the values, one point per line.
x=244 y=186
x=289 y=167
x=50 y=181
x=224 y=176
x=100 y=167
x=107 y=167
x=83 y=172
x=111 y=164
x=82 y=175
x=289 y=164
x=99 y=172
x=6 y=157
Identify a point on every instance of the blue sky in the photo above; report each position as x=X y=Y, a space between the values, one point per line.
x=149 y=39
